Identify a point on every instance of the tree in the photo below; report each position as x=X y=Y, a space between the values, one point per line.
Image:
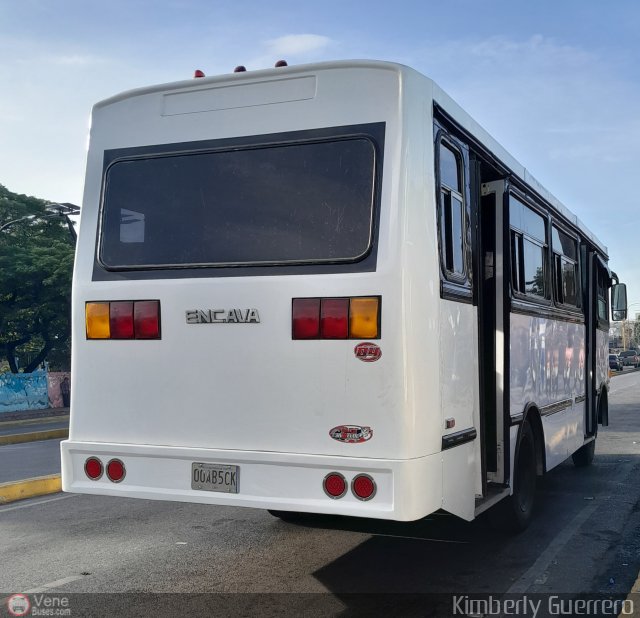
x=36 y=263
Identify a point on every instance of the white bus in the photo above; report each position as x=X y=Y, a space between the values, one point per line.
x=326 y=289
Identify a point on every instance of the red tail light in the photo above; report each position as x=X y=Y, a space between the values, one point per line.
x=146 y=315
x=334 y=318
x=93 y=468
x=363 y=487
x=115 y=470
x=334 y=485
x=306 y=318
x=121 y=320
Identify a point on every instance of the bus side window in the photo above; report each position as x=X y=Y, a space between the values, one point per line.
x=528 y=250
x=452 y=220
x=603 y=300
x=565 y=268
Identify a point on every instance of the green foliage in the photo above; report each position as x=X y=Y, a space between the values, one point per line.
x=36 y=263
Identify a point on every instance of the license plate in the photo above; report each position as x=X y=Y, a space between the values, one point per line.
x=215 y=477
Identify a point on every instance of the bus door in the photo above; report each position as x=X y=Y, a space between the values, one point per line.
x=493 y=324
x=595 y=281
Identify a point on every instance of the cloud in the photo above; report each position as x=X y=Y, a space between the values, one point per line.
x=298 y=44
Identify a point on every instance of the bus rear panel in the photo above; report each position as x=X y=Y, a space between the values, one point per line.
x=240 y=297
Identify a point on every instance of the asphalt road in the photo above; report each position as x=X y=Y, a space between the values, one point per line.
x=585 y=539
x=9 y=428
x=29 y=459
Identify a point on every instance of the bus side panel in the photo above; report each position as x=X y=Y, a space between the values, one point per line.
x=602 y=362
x=459 y=470
x=459 y=396
x=547 y=370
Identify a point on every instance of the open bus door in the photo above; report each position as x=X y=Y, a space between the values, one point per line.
x=493 y=316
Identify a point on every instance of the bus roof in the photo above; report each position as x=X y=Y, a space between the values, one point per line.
x=440 y=98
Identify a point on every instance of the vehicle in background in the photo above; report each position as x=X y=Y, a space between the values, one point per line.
x=630 y=357
x=615 y=362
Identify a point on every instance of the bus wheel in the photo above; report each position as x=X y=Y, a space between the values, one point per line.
x=290 y=517
x=584 y=455
x=513 y=514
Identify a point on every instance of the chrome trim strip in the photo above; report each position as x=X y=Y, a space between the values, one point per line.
x=556 y=407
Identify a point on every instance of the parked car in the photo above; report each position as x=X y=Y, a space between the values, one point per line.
x=630 y=357
x=615 y=363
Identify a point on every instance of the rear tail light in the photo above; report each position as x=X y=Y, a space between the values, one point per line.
x=115 y=470
x=363 y=487
x=93 y=468
x=97 y=320
x=364 y=318
x=139 y=319
x=336 y=318
x=334 y=485
x=121 y=320
x=306 y=318
x=147 y=319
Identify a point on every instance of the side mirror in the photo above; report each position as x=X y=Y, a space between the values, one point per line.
x=619 y=302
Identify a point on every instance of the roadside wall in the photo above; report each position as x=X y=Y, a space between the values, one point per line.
x=23 y=391
x=55 y=379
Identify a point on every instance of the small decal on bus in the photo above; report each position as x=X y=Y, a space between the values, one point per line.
x=351 y=434
x=367 y=352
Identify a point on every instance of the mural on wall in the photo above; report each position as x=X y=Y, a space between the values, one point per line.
x=59 y=389
x=23 y=391
x=34 y=391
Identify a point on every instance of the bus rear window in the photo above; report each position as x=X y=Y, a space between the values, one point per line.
x=273 y=204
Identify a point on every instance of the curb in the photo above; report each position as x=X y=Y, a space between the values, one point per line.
x=58 y=418
x=33 y=436
x=33 y=415
x=30 y=488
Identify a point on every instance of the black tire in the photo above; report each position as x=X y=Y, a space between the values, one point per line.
x=514 y=514
x=583 y=457
x=290 y=517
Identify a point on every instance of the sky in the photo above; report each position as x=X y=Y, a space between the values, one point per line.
x=556 y=82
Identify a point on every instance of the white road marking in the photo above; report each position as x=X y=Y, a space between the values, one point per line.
x=30 y=504
x=420 y=538
x=55 y=584
x=538 y=569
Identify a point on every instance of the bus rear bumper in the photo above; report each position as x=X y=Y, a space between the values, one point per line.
x=406 y=490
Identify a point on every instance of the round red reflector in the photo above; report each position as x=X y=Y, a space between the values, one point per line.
x=335 y=485
x=115 y=470
x=93 y=468
x=363 y=487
